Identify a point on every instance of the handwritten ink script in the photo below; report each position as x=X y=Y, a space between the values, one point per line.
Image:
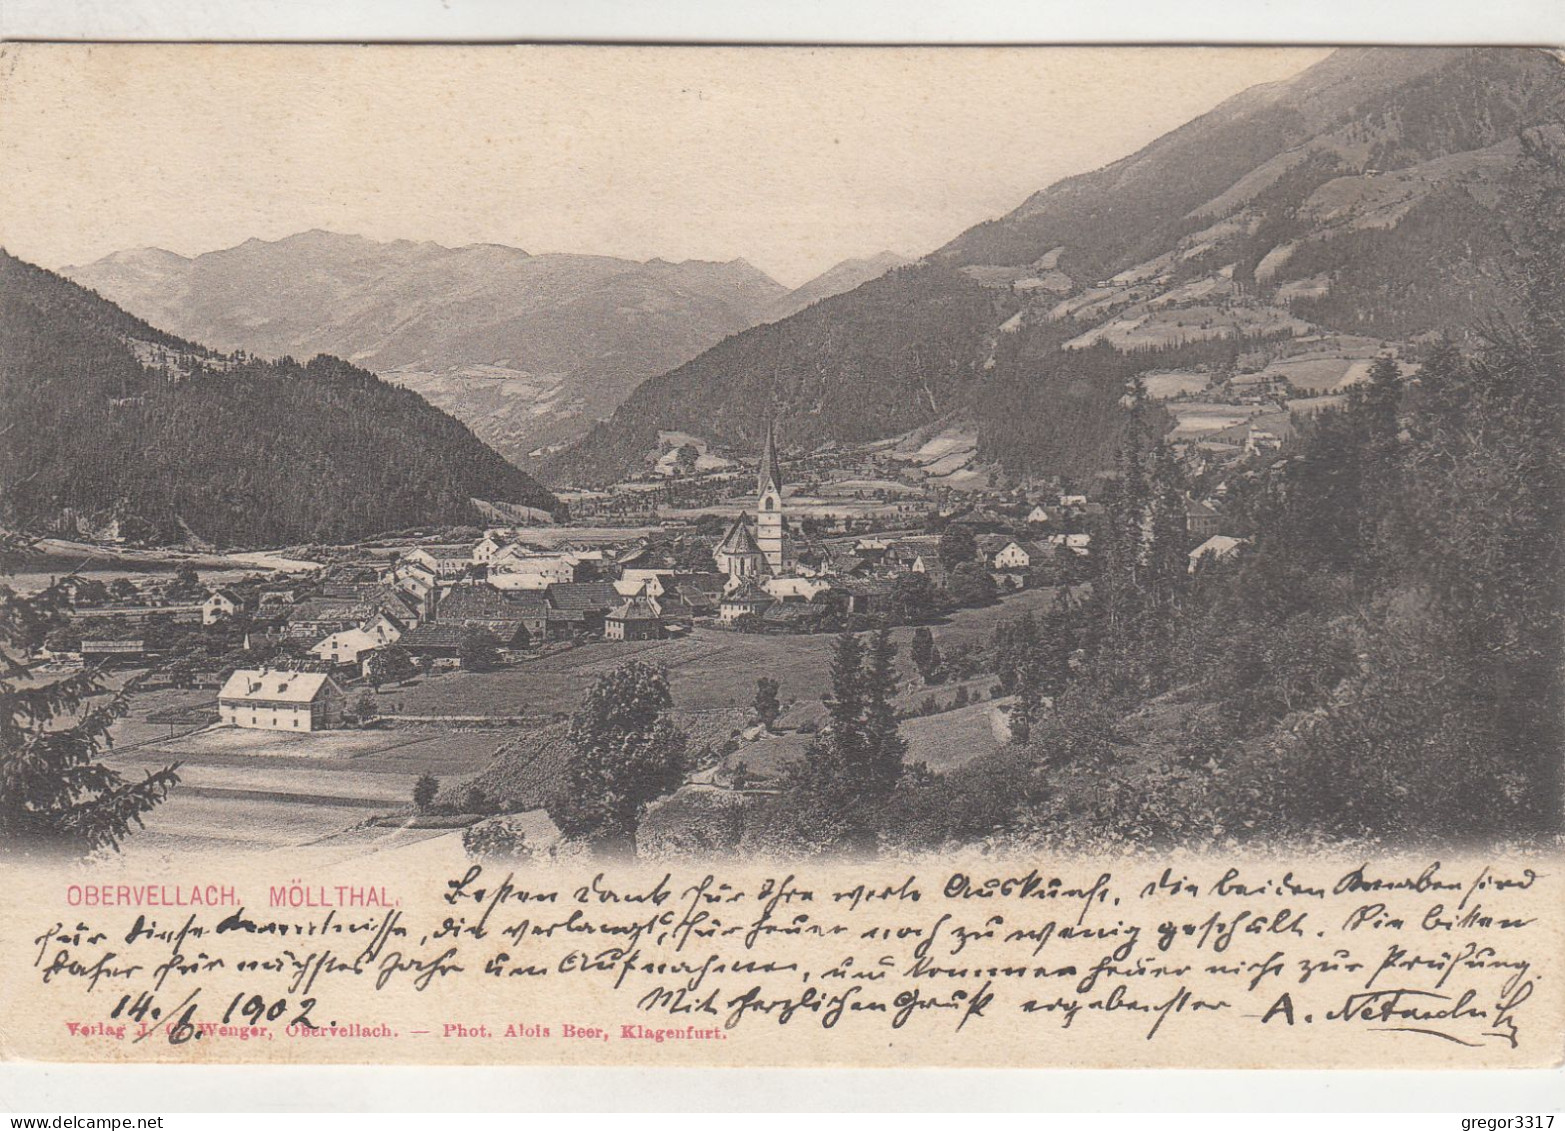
x=1130 y=962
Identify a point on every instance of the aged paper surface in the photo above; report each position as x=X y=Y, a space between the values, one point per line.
x=295 y=899
x=1324 y=962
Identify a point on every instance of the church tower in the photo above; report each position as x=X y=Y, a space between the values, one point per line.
x=771 y=533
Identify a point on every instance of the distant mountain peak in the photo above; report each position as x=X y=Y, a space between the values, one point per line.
x=575 y=332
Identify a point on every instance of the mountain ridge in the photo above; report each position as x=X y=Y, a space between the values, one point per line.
x=575 y=332
x=1369 y=200
x=110 y=418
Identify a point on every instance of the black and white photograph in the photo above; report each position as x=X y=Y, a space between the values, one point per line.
x=483 y=463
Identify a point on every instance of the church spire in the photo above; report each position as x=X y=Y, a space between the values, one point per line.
x=770 y=476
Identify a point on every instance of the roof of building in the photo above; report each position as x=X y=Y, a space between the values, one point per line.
x=225 y=594
x=256 y=685
x=358 y=639
x=737 y=539
x=639 y=607
x=710 y=582
x=480 y=602
x=583 y=595
x=1218 y=545
x=332 y=609
x=748 y=594
x=791 y=612
x=433 y=636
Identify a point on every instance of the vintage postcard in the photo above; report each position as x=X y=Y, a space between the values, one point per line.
x=782 y=556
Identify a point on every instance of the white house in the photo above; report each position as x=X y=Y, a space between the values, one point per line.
x=517 y=568
x=347 y=647
x=1070 y=502
x=490 y=545
x=747 y=600
x=220 y=605
x=642 y=581
x=1018 y=556
x=444 y=561
x=795 y=588
x=1217 y=547
x=1038 y=516
x=281 y=700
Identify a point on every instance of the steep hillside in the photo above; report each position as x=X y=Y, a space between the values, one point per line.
x=105 y=416
x=900 y=351
x=527 y=349
x=1372 y=198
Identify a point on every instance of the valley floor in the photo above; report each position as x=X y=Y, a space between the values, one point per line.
x=250 y=790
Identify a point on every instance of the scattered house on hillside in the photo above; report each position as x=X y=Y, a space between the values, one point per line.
x=1039 y=516
x=1080 y=544
x=278 y=597
x=1261 y=440
x=748 y=599
x=866 y=596
x=1073 y=502
x=1217 y=548
x=638 y=618
x=1017 y=556
x=1201 y=521
x=281 y=700
x=221 y=604
x=114 y=653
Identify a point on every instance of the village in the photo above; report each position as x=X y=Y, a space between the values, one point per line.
x=312 y=703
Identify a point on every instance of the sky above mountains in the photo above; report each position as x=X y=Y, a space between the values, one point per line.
x=792 y=158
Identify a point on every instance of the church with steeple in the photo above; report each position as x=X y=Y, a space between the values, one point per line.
x=766 y=550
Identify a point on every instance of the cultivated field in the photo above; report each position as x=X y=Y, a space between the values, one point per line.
x=251 y=789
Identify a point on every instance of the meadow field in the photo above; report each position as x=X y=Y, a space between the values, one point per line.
x=259 y=790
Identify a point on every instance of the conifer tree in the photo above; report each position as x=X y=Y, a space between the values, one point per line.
x=56 y=795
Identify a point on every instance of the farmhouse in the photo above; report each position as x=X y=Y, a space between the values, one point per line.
x=639 y=618
x=1021 y=556
x=1201 y=521
x=434 y=641
x=747 y=600
x=347 y=647
x=221 y=605
x=280 y=700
